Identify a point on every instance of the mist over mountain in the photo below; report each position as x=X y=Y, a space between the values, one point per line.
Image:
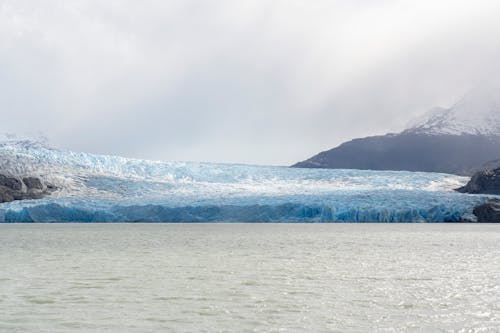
x=477 y=113
x=460 y=140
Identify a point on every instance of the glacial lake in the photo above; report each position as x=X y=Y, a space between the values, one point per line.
x=249 y=278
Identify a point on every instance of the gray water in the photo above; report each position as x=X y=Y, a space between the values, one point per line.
x=249 y=278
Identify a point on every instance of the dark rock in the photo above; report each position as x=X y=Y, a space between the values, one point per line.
x=11 y=182
x=6 y=194
x=457 y=154
x=33 y=183
x=483 y=182
x=489 y=212
x=11 y=188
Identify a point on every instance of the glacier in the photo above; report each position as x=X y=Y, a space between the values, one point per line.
x=100 y=188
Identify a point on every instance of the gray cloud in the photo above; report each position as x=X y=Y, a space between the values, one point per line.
x=256 y=81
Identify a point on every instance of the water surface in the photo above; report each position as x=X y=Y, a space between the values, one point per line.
x=249 y=278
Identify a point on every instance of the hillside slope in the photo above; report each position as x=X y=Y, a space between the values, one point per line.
x=458 y=140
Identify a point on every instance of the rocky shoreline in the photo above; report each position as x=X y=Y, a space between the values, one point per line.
x=489 y=212
x=23 y=188
x=485 y=182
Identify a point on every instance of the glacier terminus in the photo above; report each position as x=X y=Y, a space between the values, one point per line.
x=99 y=188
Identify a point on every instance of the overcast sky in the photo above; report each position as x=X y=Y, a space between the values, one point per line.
x=251 y=81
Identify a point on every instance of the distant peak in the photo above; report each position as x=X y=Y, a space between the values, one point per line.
x=476 y=113
x=26 y=141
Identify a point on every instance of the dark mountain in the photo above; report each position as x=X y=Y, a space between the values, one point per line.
x=457 y=154
x=458 y=140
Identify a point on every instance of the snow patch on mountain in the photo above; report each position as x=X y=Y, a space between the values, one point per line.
x=477 y=113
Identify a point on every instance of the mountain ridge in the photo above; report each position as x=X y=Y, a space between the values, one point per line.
x=476 y=113
x=459 y=140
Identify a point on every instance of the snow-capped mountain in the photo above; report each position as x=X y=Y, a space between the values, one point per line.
x=477 y=113
x=459 y=140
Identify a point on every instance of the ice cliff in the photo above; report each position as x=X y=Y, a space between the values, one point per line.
x=98 y=188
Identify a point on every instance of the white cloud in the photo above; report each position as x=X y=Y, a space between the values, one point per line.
x=242 y=81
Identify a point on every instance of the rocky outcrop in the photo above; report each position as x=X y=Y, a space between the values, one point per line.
x=483 y=182
x=489 y=212
x=16 y=188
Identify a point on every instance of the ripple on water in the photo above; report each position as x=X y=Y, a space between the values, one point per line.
x=39 y=300
x=254 y=278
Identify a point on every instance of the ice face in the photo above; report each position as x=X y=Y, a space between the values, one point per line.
x=97 y=188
